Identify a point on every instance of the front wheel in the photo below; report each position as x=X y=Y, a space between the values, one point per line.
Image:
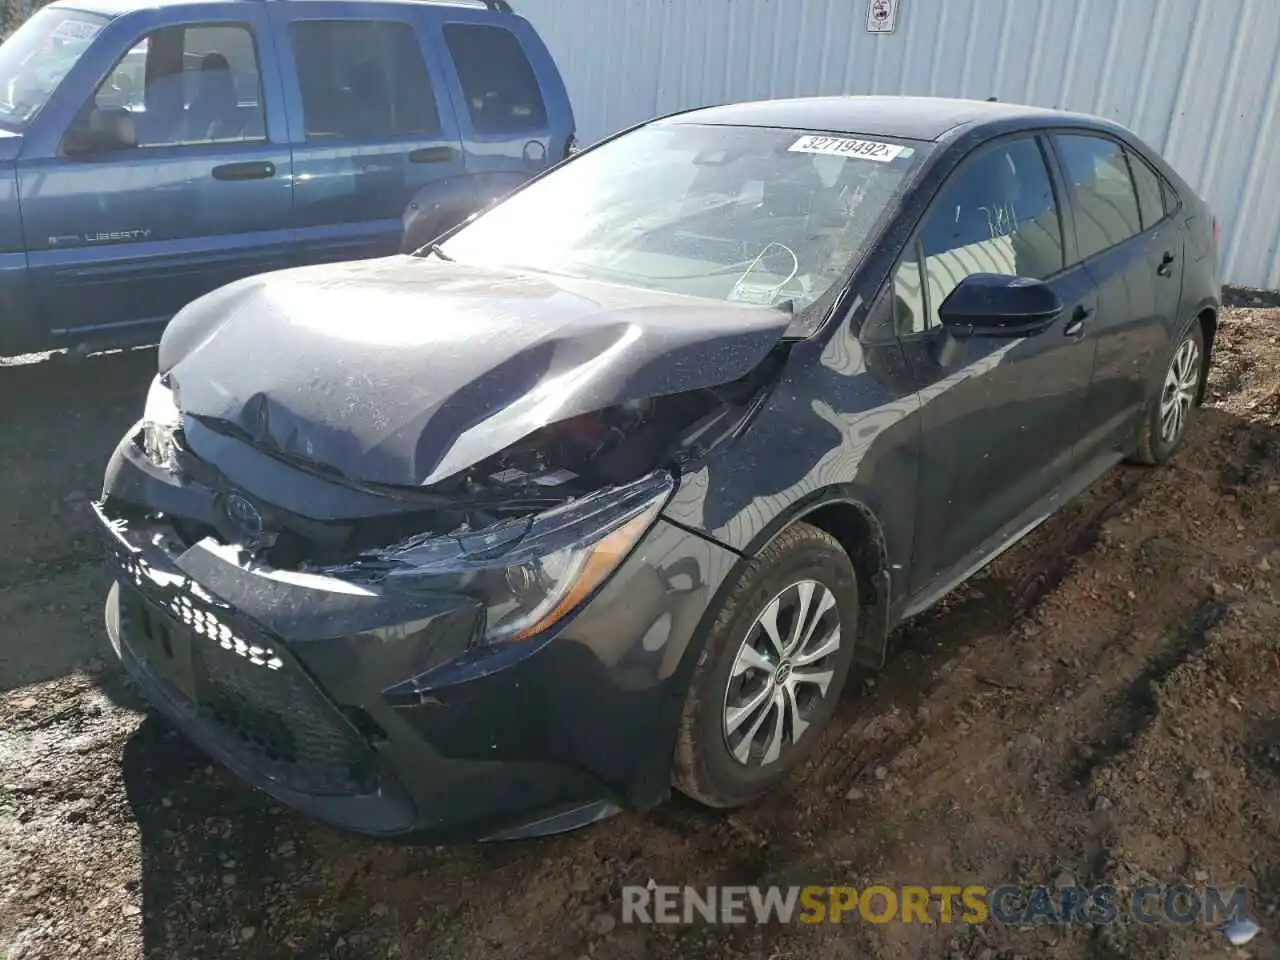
x=1173 y=406
x=772 y=671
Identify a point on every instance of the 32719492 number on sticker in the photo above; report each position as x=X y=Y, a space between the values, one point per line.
x=847 y=147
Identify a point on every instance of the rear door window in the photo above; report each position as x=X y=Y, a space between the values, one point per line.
x=498 y=82
x=1106 y=201
x=362 y=80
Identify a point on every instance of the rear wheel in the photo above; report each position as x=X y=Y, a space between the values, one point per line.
x=772 y=671
x=1174 y=405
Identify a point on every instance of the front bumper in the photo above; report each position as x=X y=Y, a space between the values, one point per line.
x=377 y=714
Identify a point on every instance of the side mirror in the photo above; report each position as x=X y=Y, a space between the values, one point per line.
x=109 y=129
x=996 y=305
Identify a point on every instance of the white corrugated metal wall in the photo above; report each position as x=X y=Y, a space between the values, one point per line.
x=1199 y=80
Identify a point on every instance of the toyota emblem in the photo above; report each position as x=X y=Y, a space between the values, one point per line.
x=243 y=514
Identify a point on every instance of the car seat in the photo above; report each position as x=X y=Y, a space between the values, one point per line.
x=214 y=112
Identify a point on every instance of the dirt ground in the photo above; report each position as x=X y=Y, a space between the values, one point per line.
x=1102 y=705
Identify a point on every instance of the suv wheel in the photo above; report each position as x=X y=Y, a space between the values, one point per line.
x=1172 y=408
x=772 y=671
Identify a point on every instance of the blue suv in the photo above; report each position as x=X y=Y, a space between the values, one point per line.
x=156 y=151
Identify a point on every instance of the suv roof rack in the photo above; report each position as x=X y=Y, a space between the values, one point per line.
x=497 y=6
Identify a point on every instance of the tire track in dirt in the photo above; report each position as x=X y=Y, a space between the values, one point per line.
x=1141 y=706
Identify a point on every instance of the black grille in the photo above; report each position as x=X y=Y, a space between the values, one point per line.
x=244 y=685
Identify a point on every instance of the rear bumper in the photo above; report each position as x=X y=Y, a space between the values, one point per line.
x=377 y=714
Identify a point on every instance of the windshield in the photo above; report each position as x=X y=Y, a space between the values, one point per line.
x=37 y=56
x=749 y=214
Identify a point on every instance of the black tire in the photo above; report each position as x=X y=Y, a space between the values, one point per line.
x=704 y=767
x=1154 y=446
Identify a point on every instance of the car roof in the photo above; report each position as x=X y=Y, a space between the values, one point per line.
x=115 y=8
x=911 y=118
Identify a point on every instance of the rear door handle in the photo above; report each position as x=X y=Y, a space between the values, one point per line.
x=253 y=170
x=431 y=155
x=1075 y=326
x=1166 y=264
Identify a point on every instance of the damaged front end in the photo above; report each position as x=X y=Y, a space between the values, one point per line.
x=529 y=572
x=283 y=510
x=357 y=648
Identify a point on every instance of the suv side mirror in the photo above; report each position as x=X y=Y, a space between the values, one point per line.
x=996 y=305
x=109 y=129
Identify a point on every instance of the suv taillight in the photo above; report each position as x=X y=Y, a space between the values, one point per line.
x=1217 y=231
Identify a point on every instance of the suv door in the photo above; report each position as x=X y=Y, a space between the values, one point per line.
x=1134 y=252
x=172 y=177
x=1000 y=416
x=369 y=121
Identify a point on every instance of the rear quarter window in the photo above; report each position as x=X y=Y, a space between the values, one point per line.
x=498 y=82
x=1149 y=189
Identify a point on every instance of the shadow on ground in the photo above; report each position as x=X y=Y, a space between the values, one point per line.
x=62 y=419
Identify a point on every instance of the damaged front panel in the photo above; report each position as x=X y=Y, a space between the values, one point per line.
x=406 y=371
x=341 y=446
x=400 y=479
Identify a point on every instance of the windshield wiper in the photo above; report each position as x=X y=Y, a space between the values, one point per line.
x=439 y=252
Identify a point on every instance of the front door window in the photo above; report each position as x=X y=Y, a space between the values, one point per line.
x=178 y=86
x=997 y=214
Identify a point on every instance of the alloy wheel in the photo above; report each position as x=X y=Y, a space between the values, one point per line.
x=781 y=673
x=1179 y=391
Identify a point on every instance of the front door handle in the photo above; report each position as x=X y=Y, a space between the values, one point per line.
x=431 y=155
x=1075 y=326
x=253 y=170
x=1166 y=264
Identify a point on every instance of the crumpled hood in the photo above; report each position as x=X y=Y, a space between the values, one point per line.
x=407 y=370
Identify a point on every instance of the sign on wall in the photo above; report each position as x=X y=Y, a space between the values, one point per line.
x=882 y=16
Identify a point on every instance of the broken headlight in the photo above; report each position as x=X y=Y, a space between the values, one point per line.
x=528 y=573
x=160 y=421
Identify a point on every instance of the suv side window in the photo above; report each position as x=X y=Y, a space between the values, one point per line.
x=124 y=86
x=498 y=82
x=362 y=80
x=996 y=214
x=182 y=85
x=1106 y=201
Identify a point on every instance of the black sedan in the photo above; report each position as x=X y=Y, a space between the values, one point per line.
x=609 y=489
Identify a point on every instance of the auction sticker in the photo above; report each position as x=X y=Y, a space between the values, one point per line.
x=75 y=30
x=846 y=147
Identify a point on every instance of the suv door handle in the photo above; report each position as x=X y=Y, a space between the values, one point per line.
x=1075 y=326
x=1166 y=264
x=431 y=155
x=253 y=170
